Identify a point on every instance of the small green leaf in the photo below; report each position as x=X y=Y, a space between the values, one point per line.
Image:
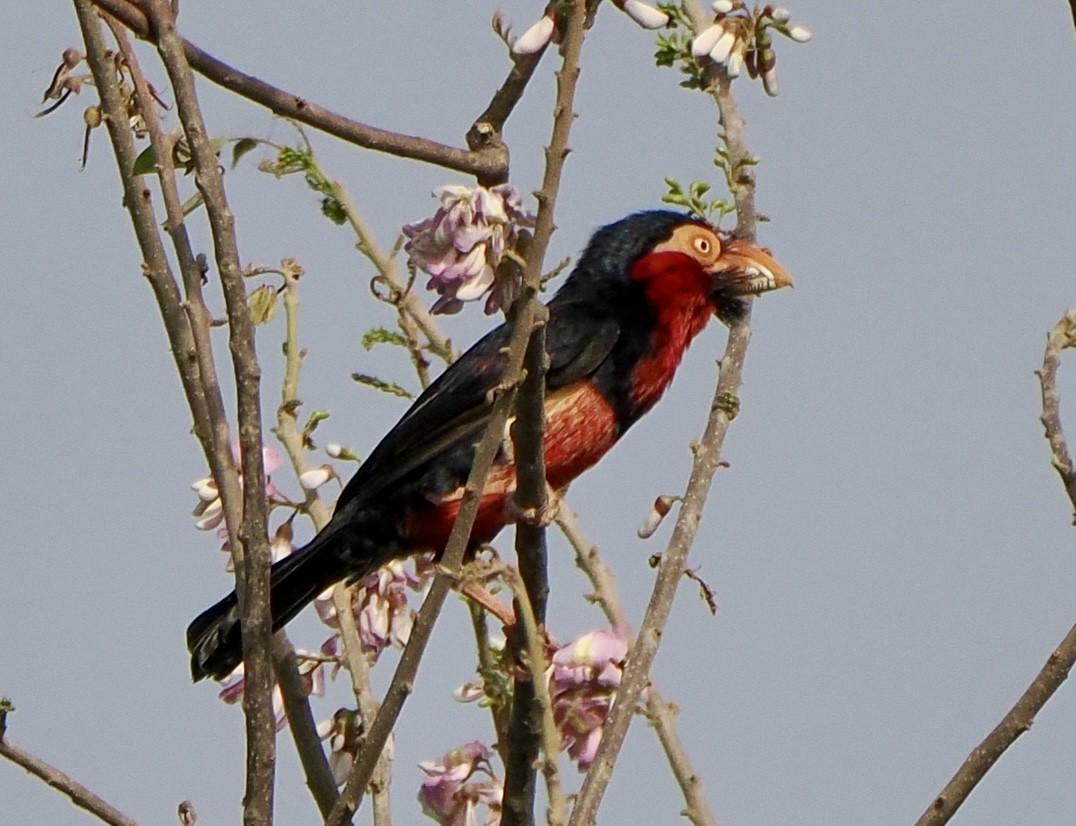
x=145 y=163
x=241 y=148
x=389 y=387
x=262 y=303
x=291 y=406
x=316 y=418
x=382 y=335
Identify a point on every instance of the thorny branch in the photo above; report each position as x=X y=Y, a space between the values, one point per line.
x=707 y=460
x=403 y=679
x=251 y=545
x=1020 y=717
x=659 y=712
x=528 y=725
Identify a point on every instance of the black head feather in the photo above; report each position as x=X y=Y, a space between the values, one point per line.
x=607 y=260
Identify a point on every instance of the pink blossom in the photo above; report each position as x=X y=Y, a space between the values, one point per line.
x=209 y=512
x=451 y=796
x=310 y=670
x=463 y=244
x=381 y=607
x=584 y=676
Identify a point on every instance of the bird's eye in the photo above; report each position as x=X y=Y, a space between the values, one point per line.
x=703 y=246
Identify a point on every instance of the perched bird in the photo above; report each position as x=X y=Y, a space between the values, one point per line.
x=618 y=327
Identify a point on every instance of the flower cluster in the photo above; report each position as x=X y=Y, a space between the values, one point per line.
x=381 y=610
x=545 y=31
x=451 y=794
x=741 y=38
x=462 y=245
x=209 y=512
x=311 y=671
x=584 y=676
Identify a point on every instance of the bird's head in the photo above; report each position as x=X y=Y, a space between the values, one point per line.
x=674 y=257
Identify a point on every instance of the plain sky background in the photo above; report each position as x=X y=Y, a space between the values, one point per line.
x=892 y=553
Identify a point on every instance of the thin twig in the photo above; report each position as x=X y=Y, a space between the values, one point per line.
x=255 y=561
x=659 y=712
x=534 y=646
x=1061 y=336
x=288 y=434
x=304 y=730
x=528 y=727
x=1060 y=662
x=403 y=679
x=408 y=304
x=487 y=163
x=75 y=791
x=706 y=462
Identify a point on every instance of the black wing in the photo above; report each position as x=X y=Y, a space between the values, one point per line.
x=456 y=407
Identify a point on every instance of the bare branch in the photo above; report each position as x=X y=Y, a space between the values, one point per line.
x=1061 y=336
x=1059 y=664
x=75 y=791
x=254 y=560
x=304 y=730
x=1012 y=725
x=489 y=163
x=402 y=681
x=659 y=711
x=707 y=460
x=527 y=723
x=548 y=734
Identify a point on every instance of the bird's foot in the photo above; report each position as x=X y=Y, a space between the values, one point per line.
x=540 y=517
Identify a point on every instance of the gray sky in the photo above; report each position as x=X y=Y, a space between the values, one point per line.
x=891 y=551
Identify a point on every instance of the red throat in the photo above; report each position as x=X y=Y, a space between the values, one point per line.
x=678 y=290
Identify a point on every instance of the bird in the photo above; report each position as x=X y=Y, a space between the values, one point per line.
x=617 y=329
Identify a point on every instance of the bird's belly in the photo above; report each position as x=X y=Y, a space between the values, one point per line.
x=580 y=429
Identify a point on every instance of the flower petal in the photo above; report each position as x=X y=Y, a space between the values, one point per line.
x=704 y=43
x=645 y=15
x=536 y=38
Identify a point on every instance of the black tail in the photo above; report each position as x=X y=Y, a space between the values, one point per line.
x=215 y=638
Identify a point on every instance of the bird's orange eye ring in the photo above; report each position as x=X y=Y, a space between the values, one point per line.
x=702 y=245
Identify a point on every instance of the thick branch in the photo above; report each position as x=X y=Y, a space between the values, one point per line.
x=707 y=460
x=253 y=570
x=403 y=679
x=75 y=791
x=527 y=721
x=489 y=163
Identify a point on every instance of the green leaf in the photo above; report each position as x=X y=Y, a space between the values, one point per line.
x=291 y=406
x=389 y=387
x=316 y=418
x=145 y=163
x=262 y=304
x=382 y=335
x=241 y=148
